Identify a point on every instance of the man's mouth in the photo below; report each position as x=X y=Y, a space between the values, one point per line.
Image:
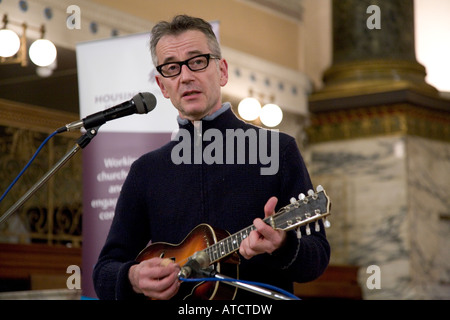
x=190 y=93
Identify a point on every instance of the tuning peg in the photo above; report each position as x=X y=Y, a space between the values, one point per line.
x=326 y=223
x=317 y=226
x=310 y=192
x=319 y=188
x=308 y=230
x=293 y=200
x=299 y=233
x=301 y=196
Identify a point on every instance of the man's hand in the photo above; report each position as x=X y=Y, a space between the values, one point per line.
x=264 y=239
x=156 y=278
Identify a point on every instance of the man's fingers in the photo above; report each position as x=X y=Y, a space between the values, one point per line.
x=158 y=278
x=269 y=208
x=264 y=230
x=165 y=262
x=264 y=238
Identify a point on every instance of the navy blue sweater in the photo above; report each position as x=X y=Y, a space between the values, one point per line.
x=162 y=201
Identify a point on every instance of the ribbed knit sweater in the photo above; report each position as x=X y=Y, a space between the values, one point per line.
x=162 y=200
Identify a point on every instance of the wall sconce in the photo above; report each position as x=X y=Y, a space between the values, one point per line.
x=250 y=109
x=271 y=115
x=13 y=48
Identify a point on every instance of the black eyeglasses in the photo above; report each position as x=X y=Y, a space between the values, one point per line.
x=197 y=63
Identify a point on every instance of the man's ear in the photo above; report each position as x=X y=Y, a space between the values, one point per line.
x=162 y=87
x=223 y=72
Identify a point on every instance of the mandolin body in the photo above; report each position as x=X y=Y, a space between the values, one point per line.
x=200 y=238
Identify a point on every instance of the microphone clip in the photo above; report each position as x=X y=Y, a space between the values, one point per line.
x=86 y=138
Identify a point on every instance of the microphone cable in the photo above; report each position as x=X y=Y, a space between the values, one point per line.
x=264 y=285
x=28 y=164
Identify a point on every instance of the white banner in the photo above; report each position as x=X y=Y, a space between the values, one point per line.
x=111 y=72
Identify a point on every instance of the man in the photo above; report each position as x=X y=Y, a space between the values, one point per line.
x=170 y=191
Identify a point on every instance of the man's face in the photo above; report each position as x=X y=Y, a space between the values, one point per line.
x=194 y=93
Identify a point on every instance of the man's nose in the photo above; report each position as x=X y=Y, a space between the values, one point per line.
x=186 y=74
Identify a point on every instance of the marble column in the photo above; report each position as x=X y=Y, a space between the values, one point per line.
x=373 y=49
x=379 y=142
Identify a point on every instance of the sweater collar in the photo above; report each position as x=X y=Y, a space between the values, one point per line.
x=225 y=106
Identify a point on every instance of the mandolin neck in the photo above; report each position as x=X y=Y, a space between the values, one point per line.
x=226 y=246
x=302 y=212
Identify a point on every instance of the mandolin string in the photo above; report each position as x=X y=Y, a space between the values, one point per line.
x=224 y=243
x=222 y=248
x=277 y=220
x=221 y=254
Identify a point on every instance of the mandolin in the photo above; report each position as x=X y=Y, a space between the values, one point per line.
x=220 y=247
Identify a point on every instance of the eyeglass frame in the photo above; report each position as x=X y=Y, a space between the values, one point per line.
x=208 y=56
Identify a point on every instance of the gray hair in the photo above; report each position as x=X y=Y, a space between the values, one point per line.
x=178 y=25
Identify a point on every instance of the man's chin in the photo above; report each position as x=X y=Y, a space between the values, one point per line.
x=193 y=114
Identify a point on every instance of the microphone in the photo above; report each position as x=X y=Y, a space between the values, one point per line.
x=142 y=102
x=198 y=261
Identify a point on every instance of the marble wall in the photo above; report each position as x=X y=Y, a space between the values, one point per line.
x=390 y=209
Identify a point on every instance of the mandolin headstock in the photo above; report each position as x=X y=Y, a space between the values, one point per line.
x=303 y=211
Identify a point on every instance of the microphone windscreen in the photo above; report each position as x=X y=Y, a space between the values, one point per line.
x=145 y=102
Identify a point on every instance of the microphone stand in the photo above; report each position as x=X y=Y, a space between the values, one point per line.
x=82 y=142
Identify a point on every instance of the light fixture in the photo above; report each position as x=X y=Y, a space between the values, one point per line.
x=42 y=51
x=10 y=43
x=11 y=50
x=249 y=108
x=271 y=115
